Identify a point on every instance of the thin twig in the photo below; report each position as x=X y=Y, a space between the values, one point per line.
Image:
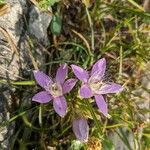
x=10 y=41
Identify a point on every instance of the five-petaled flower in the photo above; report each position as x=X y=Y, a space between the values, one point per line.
x=54 y=89
x=93 y=85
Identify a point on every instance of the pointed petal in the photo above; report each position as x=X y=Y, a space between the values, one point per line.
x=68 y=85
x=81 y=129
x=42 y=97
x=60 y=106
x=42 y=79
x=80 y=73
x=85 y=91
x=102 y=105
x=61 y=74
x=110 y=88
x=99 y=68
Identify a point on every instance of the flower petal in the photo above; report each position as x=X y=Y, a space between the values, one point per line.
x=102 y=105
x=42 y=79
x=61 y=74
x=80 y=73
x=68 y=85
x=110 y=88
x=42 y=97
x=81 y=129
x=60 y=105
x=85 y=91
x=99 y=68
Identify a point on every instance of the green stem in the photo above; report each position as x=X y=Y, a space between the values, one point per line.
x=91 y=26
x=92 y=34
x=16 y=117
x=97 y=122
x=40 y=114
x=121 y=59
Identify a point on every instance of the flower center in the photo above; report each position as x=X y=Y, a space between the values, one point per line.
x=55 y=89
x=95 y=85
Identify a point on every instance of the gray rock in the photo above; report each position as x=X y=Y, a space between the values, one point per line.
x=9 y=22
x=38 y=24
x=118 y=143
x=14 y=25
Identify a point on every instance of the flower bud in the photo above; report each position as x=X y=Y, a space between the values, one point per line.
x=81 y=129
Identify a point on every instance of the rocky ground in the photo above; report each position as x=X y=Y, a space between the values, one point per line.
x=22 y=19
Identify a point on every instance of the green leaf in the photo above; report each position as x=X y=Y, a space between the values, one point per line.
x=2 y=2
x=76 y=145
x=47 y=3
x=55 y=25
x=135 y=4
x=108 y=145
x=30 y=82
x=23 y=82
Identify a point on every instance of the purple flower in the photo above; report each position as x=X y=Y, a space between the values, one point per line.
x=93 y=85
x=81 y=129
x=54 y=89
